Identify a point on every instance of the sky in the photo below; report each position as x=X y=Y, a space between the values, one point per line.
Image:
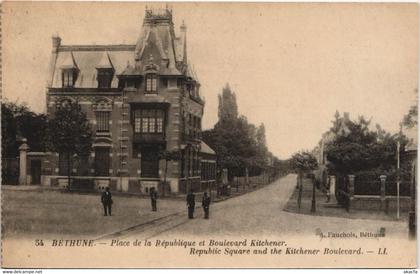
x=291 y=65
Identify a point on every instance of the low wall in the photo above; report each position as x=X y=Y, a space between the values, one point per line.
x=373 y=195
x=389 y=204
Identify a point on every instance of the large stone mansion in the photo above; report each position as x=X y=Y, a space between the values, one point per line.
x=140 y=100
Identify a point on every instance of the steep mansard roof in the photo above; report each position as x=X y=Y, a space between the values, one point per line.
x=156 y=44
x=87 y=59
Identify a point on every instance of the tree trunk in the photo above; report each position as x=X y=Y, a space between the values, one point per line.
x=68 y=171
x=313 y=205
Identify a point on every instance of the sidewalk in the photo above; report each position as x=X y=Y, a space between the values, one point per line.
x=331 y=209
x=168 y=196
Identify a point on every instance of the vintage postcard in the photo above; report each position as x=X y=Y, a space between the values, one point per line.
x=209 y=135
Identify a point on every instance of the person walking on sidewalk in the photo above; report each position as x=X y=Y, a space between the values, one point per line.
x=106 y=200
x=206 y=205
x=153 y=198
x=191 y=204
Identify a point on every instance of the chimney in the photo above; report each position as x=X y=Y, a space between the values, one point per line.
x=56 y=42
x=183 y=37
x=183 y=27
x=346 y=116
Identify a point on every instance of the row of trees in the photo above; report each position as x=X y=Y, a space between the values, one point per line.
x=239 y=144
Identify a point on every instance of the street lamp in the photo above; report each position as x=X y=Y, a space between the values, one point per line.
x=313 y=205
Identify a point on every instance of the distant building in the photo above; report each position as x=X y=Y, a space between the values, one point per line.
x=140 y=99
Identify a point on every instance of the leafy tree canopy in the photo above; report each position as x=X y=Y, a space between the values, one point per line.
x=17 y=122
x=238 y=143
x=69 y=130
x=303 y=162
x=362 y=150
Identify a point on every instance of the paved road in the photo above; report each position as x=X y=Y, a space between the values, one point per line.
x=258 y=213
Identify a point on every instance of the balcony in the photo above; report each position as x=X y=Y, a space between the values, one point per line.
x=149 y=138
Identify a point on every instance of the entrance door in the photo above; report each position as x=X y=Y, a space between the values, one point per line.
x=102 y=161
x=150 y=162
x=36 y=172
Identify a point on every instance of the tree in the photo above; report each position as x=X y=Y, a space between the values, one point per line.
x=364 y=152
x=234 y=146
x=411 y=118
x=70 y=133
x=239 y=145
x=304 y=163
x=17 y=122
x=228 y=108
x=262 y=150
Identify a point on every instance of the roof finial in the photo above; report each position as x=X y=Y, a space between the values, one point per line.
x=183 y=27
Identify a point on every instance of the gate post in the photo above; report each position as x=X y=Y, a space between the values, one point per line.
x=384 y=205
x=350 y=190
x=23 y=150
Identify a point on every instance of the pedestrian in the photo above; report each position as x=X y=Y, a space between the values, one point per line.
x=206 y=205
x=106 y=200
x=153 y=198
x=191 y=204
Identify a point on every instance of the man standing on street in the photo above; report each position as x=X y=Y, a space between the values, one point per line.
x=191 y=204
x=206 y=205
x=106 y=200
x=153 y=198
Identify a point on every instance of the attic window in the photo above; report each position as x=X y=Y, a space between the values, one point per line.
x=105 y=77
x=151 y=83
x=69 y=77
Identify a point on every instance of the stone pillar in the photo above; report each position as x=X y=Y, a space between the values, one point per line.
x=23 y=150
x=124 y=184
x=351 y=186
x=246 y=176
x=384 y=206
x=174 y=185
x=332 y=186
x=225 y=176
x=350 y=191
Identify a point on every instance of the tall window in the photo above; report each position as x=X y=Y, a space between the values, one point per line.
x=105 y=77
x=151 y=83
x=102 y=121
x=69 y=77
x=148 y=121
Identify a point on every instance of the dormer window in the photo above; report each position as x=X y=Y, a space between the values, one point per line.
x=105 y=76
x=151 y=83
x=69 y=77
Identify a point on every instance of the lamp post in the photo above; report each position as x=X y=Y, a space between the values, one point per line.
x=313 y=205
x=398 y=172
x=398 y=180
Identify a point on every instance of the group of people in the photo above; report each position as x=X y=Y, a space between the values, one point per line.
x=107 y=202
x=205 y=203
